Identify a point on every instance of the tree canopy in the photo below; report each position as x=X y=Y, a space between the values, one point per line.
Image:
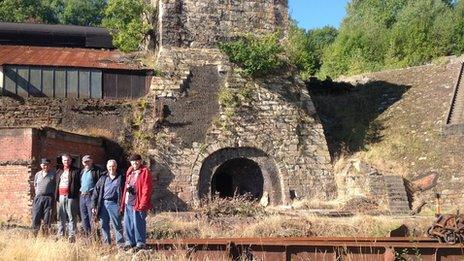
x=378 y=34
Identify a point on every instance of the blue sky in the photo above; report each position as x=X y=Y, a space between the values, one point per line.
x=317 y=13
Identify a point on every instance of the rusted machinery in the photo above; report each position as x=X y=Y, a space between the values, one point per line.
x=448 y=228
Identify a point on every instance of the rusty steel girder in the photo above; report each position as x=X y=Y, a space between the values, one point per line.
x=448 y=228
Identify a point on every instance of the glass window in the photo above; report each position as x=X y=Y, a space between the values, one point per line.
x=60 y=83
x=96 y=84
x=53 y=82
x=84 y=84
x=72 y=83
x=35 y=82
x=22 y=81
x=10 y=80
x=47 y=82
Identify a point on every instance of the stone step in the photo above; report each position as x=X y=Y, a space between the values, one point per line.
x=396 y=194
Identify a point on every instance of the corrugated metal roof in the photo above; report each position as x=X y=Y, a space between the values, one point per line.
x=65 y=57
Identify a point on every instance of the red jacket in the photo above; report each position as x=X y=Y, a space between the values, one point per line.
x=144 y=189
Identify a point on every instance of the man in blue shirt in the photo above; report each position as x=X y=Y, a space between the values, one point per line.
x=105 y=202
x=89 y=176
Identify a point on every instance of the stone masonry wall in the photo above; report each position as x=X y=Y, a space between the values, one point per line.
x=194 y=23
x=90 y=117
x=275 y=125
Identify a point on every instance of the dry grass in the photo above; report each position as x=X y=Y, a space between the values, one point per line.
x=163 y=227
x=96 y=132
x=20 y=245
x=277 y=226
x=239 y=206
x=16 y=244
x=282 y=225
x=315 y=204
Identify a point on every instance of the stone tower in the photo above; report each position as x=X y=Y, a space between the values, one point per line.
x=204 y=23
x=224 y=134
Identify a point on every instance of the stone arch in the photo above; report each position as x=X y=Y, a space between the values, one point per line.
x=211 y=163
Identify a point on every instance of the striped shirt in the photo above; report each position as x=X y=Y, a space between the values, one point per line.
x=44 y=183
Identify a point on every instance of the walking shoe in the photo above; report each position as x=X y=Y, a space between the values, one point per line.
x=72 y=239
x=140 y=247
x=127 y=247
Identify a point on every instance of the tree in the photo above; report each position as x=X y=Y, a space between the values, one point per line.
x=26 y=10
x=319 y=40
x=424 y=31
x=363 y=37
x=82 y=12
x=125 y=19
x=298 y=50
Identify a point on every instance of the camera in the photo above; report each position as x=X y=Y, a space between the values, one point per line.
x=131 y=190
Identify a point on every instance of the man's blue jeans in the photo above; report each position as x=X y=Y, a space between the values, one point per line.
x=85 y=205
x=110 y=212
x=135 y=226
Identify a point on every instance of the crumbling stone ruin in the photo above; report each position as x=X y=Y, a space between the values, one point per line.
x=226 y=133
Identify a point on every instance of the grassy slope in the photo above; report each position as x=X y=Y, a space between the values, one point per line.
x=395 y=122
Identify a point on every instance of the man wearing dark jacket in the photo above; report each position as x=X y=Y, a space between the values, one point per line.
x=89 y=176
x=106 y=197
x=67 y=195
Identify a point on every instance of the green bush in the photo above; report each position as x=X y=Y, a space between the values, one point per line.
x=258 y=56
x=299 y=52
x=125 y=20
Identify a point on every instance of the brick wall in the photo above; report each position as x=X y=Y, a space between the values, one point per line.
x=19 y=162
x=52 y=144
x=16 y=144
x=15 y=192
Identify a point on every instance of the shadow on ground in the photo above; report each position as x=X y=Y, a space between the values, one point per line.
x=349 y=113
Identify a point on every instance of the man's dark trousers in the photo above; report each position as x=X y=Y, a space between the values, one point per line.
x=85 y=204
x=41 y=209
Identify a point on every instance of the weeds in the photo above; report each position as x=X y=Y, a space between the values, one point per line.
x=240 y=206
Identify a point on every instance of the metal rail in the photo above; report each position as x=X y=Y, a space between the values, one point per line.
x=310 y=248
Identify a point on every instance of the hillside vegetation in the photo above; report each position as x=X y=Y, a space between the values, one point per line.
x=395 y=121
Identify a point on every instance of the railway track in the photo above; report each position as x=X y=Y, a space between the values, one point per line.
x=311 y=248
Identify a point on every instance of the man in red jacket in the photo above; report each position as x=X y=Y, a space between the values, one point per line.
x=135 y=202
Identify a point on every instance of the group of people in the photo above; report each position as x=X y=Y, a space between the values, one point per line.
x=95 y=194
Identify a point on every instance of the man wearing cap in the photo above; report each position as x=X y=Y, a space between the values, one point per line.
x=44 y=184
x=135 y=202
x=89 y=176
x=106 y=200
x=67 y=195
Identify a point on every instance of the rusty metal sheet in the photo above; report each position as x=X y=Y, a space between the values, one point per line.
x=63 y=57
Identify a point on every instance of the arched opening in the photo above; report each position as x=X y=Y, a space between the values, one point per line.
x=242 y=169
x=238 y=177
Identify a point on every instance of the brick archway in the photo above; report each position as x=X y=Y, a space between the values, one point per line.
x=267 y=168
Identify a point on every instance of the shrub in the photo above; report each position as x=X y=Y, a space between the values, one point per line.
x=240 y=206
x=258 y=56
x=125 y=20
